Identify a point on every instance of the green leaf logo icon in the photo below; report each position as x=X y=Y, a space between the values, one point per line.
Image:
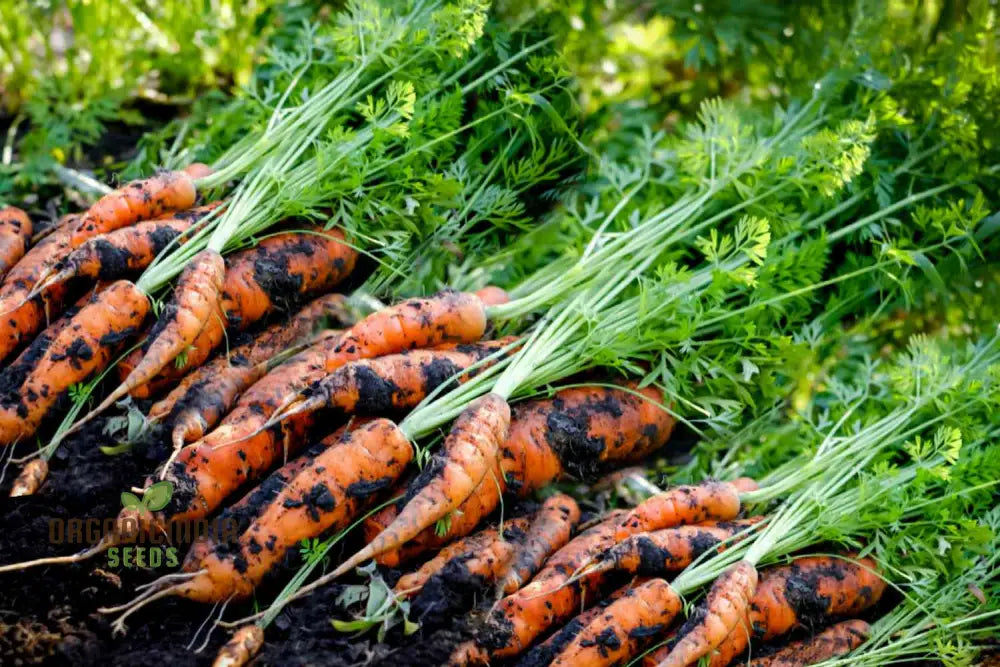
x=130 y=501
x=153 y=499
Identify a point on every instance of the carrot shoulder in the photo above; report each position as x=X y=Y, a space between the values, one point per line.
x=15 y=237
x=84 y=345
x=726 y=605
x=139 y=200
x=469 y=453
x=550 y=530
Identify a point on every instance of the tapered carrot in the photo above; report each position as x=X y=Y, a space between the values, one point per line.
x=550 y=530
x=326 y=494
x=726 y=605
x=580 y=430
x=139 y=200
x=195 y=297
x=624 y=627
x=30 y=479
x=543 y=654
x=15 y=237
x=395 y=381
x=206 y=394
x=83 y=346
x=520 y=618
x=670 y=549
x=481 y=557
x=241 y=647
x=837 y=640
x=685 y=505
x=21 y=319
x=809 y=590
x=469 y=454
x=121 y=252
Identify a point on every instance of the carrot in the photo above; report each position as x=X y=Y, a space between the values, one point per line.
x=395 y=381
x=469 y=454
x=543 y=654
x=83 y=346
x=550 y=530
x=241 y=647
x=22 y=318
x=116 y=254
x=580 y=430
x=325 y=495
x=684 y=505
x=624 y=627
x=205 y=395
x=733 y=645
x=518 y=619
x=139 y=200
x=492 y=296
x=836 y=640
x=15 y=237
x=726 y=604
x=280 y=270
x=30 y=479
x=670 y=549
x=809 y=590
x=195 y=297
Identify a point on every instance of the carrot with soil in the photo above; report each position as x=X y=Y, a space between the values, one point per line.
x=685 y=505
x=15 y=237
x=550 y=530
x=84 y=345
x=837 y=640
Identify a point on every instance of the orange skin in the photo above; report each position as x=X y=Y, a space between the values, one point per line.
x=145 y=199
x=520 y=618
x=837 y=640
x=325 y=495
x=670 y=549
x=492 y=296
x=484 y=554
x=683 y=505
x=620 y=631
x=614 y=421
x=241 y=647
x=23 y=319
x=549 y=532
x=840 y=588
x=469 y=453
x=397 y=381
x=734 y=644
x=726 y=605
x=15 y=237
x=84 y=345
x=207 y=393
x=280 y=268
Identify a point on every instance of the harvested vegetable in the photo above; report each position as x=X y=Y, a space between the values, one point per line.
x=15 y=237
x=550 y=530
x=837 y=640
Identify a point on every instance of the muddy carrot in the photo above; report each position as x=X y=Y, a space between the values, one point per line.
x=624 y=627
x=550 y=530
x=83 y=346
x=726 y=605
x=15 y=237
x=30 y=479
x=241 y=647
x=194 y=299
x=470 y=451
x=684 y=505
x=139 y=200
x=326 y=494
x=837 y=640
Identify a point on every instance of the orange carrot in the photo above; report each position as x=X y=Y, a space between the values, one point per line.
x=683 y=505
x=469 y=454
x=624 y=627
x=726 y=604
x=482 y=555
x=670 y=549
x=84 y=345
x=15 y=237
x=206 y=394
x=22 y=318
x=550 y=530
x=195 y=298
x=809 y=590
x=839 y=639
x=241 y=647
x=139 y=200
x=30 y=479
x=327 y=494
x=518 y=619
x=492 y=296
x=581 y=430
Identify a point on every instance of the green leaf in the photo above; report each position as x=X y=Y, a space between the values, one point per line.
x=131 y=501
x=158 y=495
